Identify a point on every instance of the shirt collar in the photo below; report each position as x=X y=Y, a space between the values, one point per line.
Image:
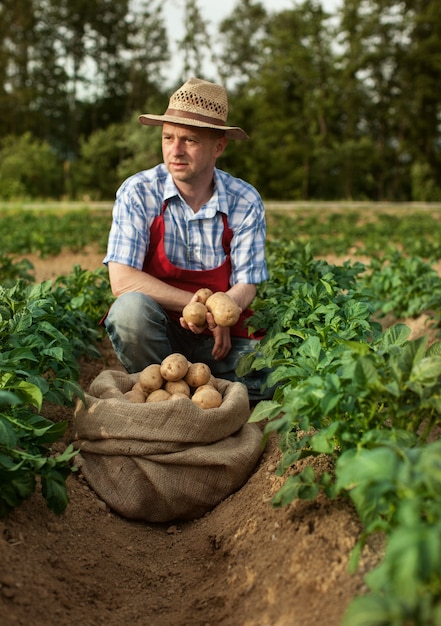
x=170 y=189
x=217 y=202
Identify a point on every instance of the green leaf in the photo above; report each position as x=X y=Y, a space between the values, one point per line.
x=54 y=491
x=29 y=394
x=51 y=433
x=372 y=610
x=311 y=348
x=413 y=556
x=427 y=370
x=324 y=441
x=356 y=467
x=408 y=357
x=266 y=409
x=8 y=435
x=7 y=463
x=14 y=488
x=54 y=352
x=21 y=322
x=366 y=374
x=396 y=335
x=434 y=349
x=369 y=475
x=301 y=486
x=428 y=466
x=7 y=398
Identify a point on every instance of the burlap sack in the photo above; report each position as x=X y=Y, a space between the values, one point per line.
x=168 y=460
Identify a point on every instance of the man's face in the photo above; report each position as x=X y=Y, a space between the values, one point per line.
x=189 y=152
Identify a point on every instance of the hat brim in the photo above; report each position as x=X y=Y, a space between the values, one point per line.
x=231 y=132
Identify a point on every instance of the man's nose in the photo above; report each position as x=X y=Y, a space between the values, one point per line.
x=178 y=146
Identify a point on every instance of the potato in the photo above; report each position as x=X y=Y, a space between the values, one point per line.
x=203 y=294
x=195 y=313
x=159 y=395
x=177 y=386
x=178 y=396
x=202 y=387
x=150 y=378
x=212 y=382
x=174 y=366
x=198 y=374
x=223 y=308
x=137 y=387
x=207 y=397
x=135 y=395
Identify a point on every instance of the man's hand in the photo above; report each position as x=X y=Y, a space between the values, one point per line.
x=222 y=342
x=221 y=336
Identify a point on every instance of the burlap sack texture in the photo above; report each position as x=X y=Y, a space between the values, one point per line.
x=163 y=461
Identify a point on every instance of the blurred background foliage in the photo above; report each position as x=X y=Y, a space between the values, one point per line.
x=341 y=105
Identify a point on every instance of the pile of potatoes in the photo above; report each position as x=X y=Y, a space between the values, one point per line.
x=176 y=378
x=223 y=308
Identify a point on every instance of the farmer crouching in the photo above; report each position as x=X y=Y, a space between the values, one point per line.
x=180 y=226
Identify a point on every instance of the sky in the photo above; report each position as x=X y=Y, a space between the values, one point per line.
x=216 y=10
x=213 y=12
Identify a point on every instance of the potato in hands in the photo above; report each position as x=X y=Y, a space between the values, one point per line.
x=195 y=313
x=224 y=310
x=203 y=294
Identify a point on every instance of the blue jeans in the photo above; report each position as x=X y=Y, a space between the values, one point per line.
x=142 y=333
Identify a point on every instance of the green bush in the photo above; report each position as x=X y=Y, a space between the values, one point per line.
x=111 y=155
x=29 y=168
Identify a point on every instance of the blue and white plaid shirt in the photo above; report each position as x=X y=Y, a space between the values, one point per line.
x=192 y=240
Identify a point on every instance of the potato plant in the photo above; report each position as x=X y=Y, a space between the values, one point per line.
x=44 y=329
x=48 y=232
x=368 y=400
x=371 y=231
x=404 y=286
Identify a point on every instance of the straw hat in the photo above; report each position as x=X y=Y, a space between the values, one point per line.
x=197 y=103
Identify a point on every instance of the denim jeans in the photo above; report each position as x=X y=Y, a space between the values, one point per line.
x=142 y=333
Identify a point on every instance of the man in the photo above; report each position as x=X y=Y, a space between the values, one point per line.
x=180 y=226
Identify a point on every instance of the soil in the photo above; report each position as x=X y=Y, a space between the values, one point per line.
x=244 y=563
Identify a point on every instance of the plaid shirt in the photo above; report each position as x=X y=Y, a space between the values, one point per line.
x=192 y=240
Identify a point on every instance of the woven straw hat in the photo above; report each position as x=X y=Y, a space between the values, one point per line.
x=197 y=103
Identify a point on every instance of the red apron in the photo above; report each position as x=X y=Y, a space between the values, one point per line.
x=157 y=264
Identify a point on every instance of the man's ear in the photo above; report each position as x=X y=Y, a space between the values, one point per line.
x=221 y=144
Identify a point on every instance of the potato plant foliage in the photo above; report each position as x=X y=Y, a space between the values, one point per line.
x=368 y=400
x=44 y=329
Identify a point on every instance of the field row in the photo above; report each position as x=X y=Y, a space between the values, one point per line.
x=367 y=398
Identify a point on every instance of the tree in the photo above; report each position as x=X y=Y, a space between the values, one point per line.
x=390 y=81
x=349 y=151
x=17 y=43
x=149 y=54
x=196 y=43
x=342 y=107
x=420 y=75
x=242 y=43
x=292 y=96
